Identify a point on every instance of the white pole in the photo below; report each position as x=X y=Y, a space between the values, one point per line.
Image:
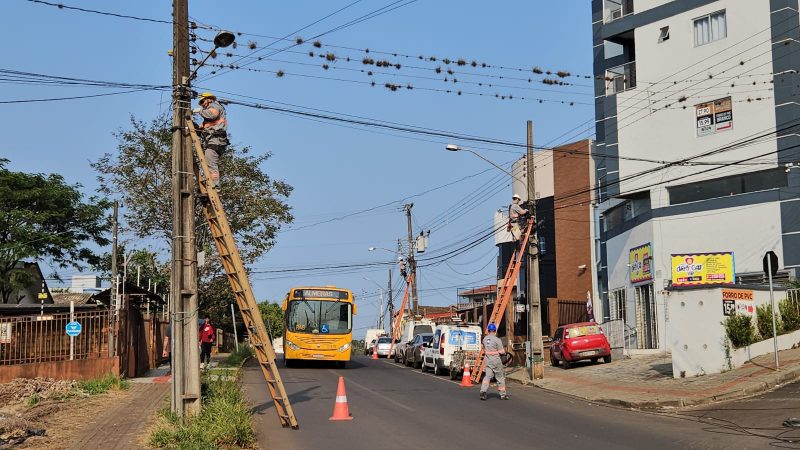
x=774 y=326
x=72 y=338
x=139 y=276
x=235 y=334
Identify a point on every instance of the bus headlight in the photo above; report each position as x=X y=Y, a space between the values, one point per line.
x=344 y=347
x=292 y=345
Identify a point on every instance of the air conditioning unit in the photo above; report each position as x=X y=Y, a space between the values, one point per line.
x=616 y=13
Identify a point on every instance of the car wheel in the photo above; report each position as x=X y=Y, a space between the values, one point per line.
x=566 y=364
x=594 y=360
x=553 y=361
x=453 y=373
x=436 y=370
x=422 y=366
x=607 y=359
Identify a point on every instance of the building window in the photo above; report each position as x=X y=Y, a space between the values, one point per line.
x=616 y=305
x=710 y=28
x=724 y=187
x=663 y=35
x=542 y=245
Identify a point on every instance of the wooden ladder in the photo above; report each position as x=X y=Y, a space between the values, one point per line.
x=509 y=281
x=240 y=285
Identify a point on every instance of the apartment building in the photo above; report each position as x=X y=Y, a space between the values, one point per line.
x=697 y=117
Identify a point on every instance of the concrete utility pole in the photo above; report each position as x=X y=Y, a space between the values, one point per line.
x=183 y=282
x=114 y=310
x=391 y=304
x=536 y=362
x=412 y=264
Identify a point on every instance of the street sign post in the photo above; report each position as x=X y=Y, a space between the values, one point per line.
x=770 y=269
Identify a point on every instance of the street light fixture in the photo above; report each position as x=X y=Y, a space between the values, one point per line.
x=457 y=148
x=221 y=40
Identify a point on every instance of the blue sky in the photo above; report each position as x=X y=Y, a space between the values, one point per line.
x=334 y=170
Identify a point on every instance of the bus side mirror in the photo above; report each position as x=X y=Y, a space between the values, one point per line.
x=283 y=306
x=355 y=309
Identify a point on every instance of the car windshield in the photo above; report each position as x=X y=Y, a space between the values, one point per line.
x=419 y=329
x=587 y=330
x=384 y=340
x=427 y=339
x=319 y=317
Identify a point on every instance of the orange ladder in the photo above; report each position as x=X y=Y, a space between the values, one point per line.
x=503 y=297
x=240 y=285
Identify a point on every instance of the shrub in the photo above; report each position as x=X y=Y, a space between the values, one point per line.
x=237 y=357
x=790 y=314
x=764 y=321
x=740 y=329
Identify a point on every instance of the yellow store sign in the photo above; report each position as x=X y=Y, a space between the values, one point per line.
x=640 y=262
x=702 y=268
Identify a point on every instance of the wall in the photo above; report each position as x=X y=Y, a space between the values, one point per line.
x=571 y=175
x=654 y=122
x=81 y=369
x=543 y=165
x=697 y=336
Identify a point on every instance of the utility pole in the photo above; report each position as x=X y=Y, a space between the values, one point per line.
x=412 y=264
x=391 y=305
x=534 y=301
x=183 y=282
x=380 y=311
x=114 y=310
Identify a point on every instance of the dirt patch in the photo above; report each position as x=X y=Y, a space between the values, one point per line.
x=48 y=414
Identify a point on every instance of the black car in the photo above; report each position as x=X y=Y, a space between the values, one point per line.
x=414 y=349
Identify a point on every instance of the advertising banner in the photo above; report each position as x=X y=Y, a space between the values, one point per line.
x=702 y=268
x=714 y=117
x=639 y=259
x=738 y=301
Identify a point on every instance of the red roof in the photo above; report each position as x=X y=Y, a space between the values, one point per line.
x=490 y=289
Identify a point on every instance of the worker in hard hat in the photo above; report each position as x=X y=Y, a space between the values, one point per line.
x=213 y=132
x=492 y=350
x=515 y=213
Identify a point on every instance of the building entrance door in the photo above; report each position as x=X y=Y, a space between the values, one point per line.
x=646 y=325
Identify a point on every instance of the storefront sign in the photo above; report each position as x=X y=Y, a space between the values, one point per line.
x=737 y=300
x=714 y=117
x=702 y=268
x=640 y=259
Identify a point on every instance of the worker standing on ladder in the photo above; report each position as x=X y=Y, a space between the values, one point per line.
x=493 y=348
x=515 y=215
x=213 y=132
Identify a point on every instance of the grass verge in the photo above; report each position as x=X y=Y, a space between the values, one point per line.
x=103 y=385
x=224 y=421
x=238 y=357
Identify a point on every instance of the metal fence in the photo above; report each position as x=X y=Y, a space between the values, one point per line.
x=43 y=338
x=619 y=334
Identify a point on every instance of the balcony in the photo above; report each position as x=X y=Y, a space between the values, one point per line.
x=621 y=78
x=617 y=9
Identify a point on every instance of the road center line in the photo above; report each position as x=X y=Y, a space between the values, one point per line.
x=425 y=374
x=372 y=391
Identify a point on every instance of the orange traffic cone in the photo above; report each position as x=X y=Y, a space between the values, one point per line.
x=375 y=351
x=466 y=379
x=340 y=409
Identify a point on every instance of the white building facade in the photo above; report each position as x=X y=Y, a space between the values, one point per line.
x=697 y=114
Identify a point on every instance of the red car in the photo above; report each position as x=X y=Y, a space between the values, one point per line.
x=579 y=341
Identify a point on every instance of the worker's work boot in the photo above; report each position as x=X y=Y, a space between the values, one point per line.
x=503 y=396
x=483 y=395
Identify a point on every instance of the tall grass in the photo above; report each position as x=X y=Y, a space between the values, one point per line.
x=224 y=421
x=103 y=385
x=238 y=357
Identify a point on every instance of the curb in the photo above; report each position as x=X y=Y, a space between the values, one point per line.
x=769 y=383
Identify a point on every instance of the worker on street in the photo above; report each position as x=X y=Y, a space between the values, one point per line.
x=207 y=336
x=213 y=132
x=515 y=213
x=492 y=349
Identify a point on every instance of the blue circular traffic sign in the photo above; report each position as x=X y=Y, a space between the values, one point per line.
x=73 y=329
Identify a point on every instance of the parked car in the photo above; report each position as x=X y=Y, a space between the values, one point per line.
x=382 y=346
x=410 y=330
x=579 y=341
x=370 y=337
x=413 y=355
x=447 y=339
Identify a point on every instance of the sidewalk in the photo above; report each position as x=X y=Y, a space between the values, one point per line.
x=646 y=381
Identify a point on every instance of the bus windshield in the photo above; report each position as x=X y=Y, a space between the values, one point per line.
x=319 y=317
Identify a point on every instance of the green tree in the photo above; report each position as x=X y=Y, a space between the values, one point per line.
x=43 y=217
x=139 y=174
x=273 y=318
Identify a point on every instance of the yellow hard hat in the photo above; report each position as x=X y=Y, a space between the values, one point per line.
x=206 y=95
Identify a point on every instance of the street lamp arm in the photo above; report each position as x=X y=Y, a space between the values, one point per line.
x=454 y=148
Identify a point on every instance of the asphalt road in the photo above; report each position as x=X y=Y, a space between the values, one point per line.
x=394 y=407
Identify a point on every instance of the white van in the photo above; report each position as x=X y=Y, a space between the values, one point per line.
x=410 y=330
x=372 y=335
x=447 y=338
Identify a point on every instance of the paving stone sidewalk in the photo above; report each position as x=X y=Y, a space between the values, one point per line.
x=646 y=381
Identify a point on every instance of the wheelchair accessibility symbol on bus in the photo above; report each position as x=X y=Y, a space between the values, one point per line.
x=323 y=328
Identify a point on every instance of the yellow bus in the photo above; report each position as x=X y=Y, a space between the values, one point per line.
x=318 y=324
